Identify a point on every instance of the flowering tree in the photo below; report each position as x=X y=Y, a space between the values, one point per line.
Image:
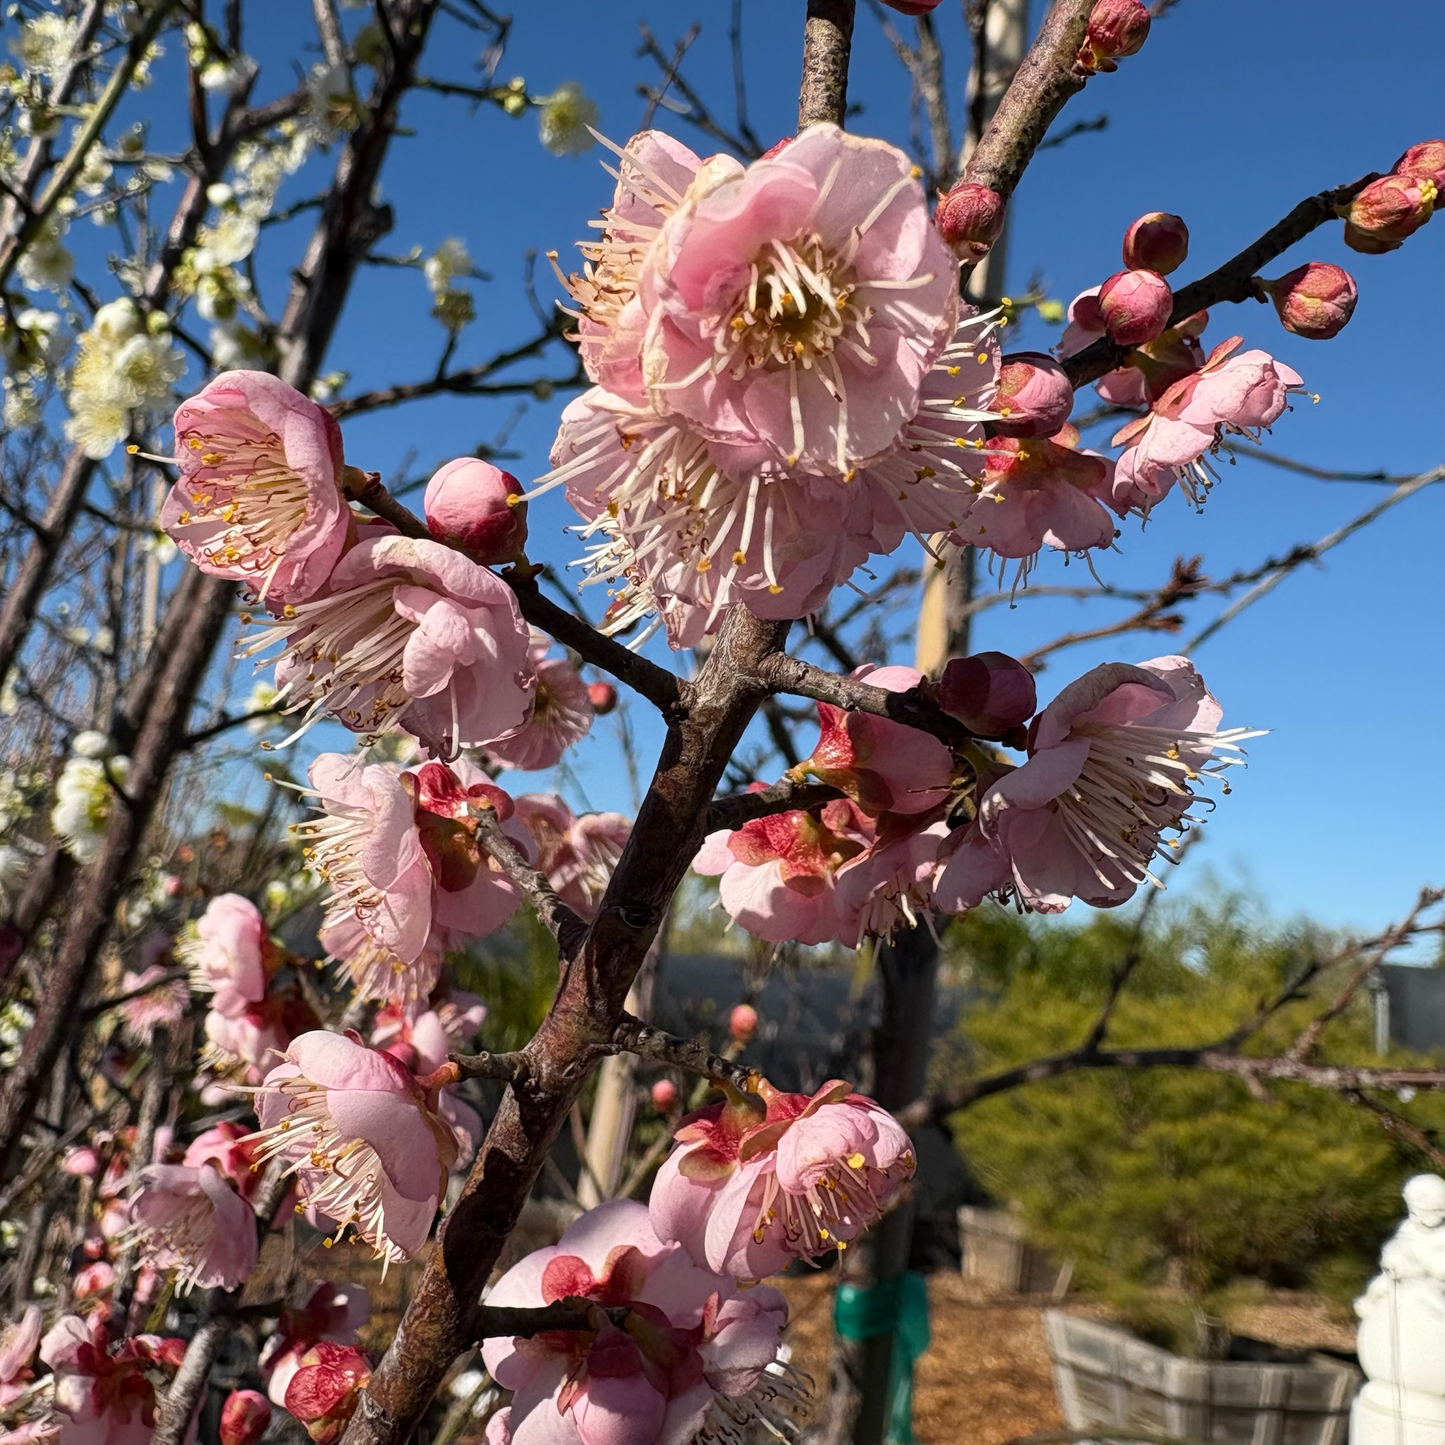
x=786 y=374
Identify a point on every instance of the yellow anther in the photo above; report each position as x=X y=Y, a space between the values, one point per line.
x=774 y=588
x=739 y=558
x=132 y=449
x=705 y=565
x=953 y=371
x=982 y=358
x=855 y=1160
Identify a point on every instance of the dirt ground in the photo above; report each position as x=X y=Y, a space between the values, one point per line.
x=986 y=1379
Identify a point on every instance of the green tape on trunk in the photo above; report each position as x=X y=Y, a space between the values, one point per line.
x=899 y=1308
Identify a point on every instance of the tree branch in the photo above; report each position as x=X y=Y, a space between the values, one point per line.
x=691 y=1055
x=555 y=916
x=782 y=797
x=827 y=40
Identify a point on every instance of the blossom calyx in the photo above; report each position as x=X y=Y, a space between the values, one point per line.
x=1387 y=211
x=1314 y=300
x=970 y=218
x=1116 y=28
x=1135 y=306
x=1156 y=242
x=477 y=508
x=1034 y=396
x=990 y=693
x=324 y=1392
x=244 y=1417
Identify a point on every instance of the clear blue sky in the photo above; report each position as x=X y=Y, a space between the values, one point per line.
x=1233 y=112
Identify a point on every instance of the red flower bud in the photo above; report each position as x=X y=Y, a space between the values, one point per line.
x=1034 y=396
x=602 y=696
x=914 y=7
x=1387 y=211
x=990 y=693
x=1135 y=306
x=244 y=1417
x=1156 y=242
x=970 y=219
x=1314 y=300
x=324 y=1391
x=1116 y=28
x=743 y=1022
x=664 y=1096
x=477 y=508
x=1425 y=161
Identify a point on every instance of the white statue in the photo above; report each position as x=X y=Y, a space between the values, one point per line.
x=1402 y=1329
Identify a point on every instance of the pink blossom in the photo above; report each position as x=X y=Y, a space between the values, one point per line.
x=1425 y=160
x=1034 y=396
x=229 y=954
x=1388 y=211
x=397 y=849
x=1116 y=28
x=743 y=1022
x=329 y=1312
x=156 y=1003
x=1238 y=392
x=224 y=1148
x=758 y=1181
x=773 y=333
x=406 y=633
x=561 y=714
x=333 y=1098
x=326 y=1388
x=259 y=499
x=1315 y=300
x=891 y=885
x=882 y=765
x=472 y=505
x=249 y=1041
x=189 y=1219
x=374 y=970
x=691 y=1353
x=1151 y=369
x=1113 y=762
x=422 y=1044
x=1039 y=492
x=578 y=855
x=776 y=873
x=105 y=1394
x=17 y=1354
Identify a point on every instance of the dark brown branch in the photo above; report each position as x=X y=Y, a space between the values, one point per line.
x=1304 y=469
x=1046 y=81
x=803 y=679
x=100 y=1006
x=691 y=1055
x=571 y=1313
x=508 y=1068
x=781 y=797
x=554 y=915
x=827 y=40
x=1233 y=281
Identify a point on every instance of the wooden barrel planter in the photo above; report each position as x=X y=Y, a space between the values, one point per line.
x=1104 y=1376
x=997 y=1256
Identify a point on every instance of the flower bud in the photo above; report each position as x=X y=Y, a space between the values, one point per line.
x=970 y=219
x=602 y=696
x=914 y=7
x=1314 y=300
x=1116 y=28
x=1387 y=211
x=1135 y=306
x=244 y=1417
x=477 y=508
x=1425 y=161
x=1034 y=396
x=1156 y=242
x=664 y=1096
x=743 y=1022
x=990 y=693
x=324 y=1391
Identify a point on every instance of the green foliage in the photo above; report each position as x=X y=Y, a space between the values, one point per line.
x=1174 y=1179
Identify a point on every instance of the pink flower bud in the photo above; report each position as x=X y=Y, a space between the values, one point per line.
x=323 y=1392
x=1135 y=306
x=1425 y=161
x=1034 y=396
x=914 y=7
x=1387 y=211
x=990 y=693
x=743 y=1022
x=1156 y=242
x=1116 y=28
x=970 y=219
x=244 y=1417
x=1314 y=300
x=477 y=508
x=664 y=1096
x=602 y=696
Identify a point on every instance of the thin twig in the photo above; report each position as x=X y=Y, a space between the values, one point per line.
x=782 y=797
x=555 y=916
x=691 y=1055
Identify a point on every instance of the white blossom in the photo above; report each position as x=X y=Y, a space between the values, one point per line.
x=84 y=798
x=567 y=120
x=46 y=265
x=44 y=43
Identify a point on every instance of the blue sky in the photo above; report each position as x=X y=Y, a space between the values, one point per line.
x=1234 y=111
